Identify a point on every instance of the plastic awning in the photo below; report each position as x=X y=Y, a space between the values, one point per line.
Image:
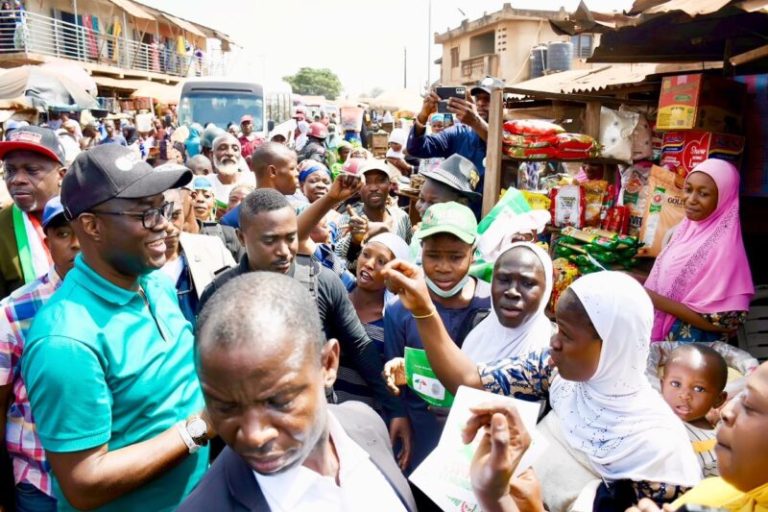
x=184 y=25
x=133 y=9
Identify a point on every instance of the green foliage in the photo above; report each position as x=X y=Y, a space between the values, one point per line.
x=315 y=82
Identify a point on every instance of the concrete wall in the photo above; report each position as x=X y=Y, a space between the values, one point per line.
x=514 y=40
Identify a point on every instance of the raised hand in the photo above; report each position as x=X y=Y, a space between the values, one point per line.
x=344 y=187
x=358 y=225
x=407 y=281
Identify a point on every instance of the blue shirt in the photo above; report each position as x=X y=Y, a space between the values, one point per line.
x=103 y=366
x=400 y=331
x=459 y=139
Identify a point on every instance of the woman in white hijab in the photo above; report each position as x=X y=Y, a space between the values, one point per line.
x=520 y=289
x=593 y=374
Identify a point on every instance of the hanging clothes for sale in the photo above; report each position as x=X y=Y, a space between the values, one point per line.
x=116 y=31
x=90 y=40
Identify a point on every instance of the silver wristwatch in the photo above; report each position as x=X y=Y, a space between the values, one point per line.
x=194 y=433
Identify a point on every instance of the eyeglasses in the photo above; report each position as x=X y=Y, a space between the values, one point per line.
x=150 y=219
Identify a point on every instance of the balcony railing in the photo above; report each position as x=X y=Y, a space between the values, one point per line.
x=32 y=33
x=479 y=67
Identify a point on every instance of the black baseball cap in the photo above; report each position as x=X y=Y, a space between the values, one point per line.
x=486 y=85
x=34 y=138
x=109 y=171
x=457 y=172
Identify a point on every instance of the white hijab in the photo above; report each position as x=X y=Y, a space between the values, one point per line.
x=491 y=341
x=616 y=418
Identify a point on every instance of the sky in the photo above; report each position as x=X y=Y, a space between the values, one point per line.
x=362 y=41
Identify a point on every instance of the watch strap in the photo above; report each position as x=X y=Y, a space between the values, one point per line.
x=192 y=446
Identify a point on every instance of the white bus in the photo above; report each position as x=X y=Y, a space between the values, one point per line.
x=223 y=101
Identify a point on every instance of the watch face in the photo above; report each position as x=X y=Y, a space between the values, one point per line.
x=197 y=428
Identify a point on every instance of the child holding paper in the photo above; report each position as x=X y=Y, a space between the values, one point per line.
x=448 y=233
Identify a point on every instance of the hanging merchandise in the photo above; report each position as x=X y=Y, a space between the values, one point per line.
x=665 y=208
x=616 y=133
x=641 y=137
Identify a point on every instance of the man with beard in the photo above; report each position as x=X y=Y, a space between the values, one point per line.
x=33 y=159
x=264 y=377
x=226 y=163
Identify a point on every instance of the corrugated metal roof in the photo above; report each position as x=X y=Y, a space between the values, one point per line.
x=611 y=76
x=697 y=7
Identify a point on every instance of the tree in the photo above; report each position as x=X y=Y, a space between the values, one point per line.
x=375 y=92
x=315 y=82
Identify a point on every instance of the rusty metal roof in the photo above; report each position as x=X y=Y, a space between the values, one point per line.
x=604 y=78
x=695 y=7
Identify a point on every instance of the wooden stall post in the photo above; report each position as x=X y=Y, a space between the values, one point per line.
x=592 y=119
x=492 y=186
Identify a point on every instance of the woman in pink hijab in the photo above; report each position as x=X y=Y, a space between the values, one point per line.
x=701 y=284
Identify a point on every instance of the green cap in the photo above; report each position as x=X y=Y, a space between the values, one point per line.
x=453 y=218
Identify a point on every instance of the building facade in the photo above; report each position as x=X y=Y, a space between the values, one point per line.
x=511 y=44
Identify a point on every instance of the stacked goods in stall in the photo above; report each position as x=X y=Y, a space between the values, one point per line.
x=535 y=139
x=701 y=102
x=593 y=249
x=681 y=151
x=664 y=209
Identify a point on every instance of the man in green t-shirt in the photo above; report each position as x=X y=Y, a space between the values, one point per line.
x=108 y=361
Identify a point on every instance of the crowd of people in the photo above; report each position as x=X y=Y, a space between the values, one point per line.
x=196 y=318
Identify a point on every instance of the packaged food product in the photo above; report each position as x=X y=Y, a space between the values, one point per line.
x=634 y=182
x=537 y=200
x=616 y=133
x=565 y=274
x=544 y=153
x=595 y=192
x=537 y=127
x=665 y=209
x=528 y=141
x=568 y=205
x=575 y=142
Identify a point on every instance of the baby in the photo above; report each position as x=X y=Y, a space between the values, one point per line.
x=693 y=383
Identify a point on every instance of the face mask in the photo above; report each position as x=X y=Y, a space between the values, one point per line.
x=446 y=294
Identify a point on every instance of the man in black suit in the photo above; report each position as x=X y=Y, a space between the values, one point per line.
x=263 y=365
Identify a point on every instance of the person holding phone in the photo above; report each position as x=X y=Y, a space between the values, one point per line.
x=467 y=137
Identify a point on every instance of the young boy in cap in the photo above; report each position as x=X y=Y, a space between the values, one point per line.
x=108 y=362
x=17 y=311
x=448 y=234
x=33 y=160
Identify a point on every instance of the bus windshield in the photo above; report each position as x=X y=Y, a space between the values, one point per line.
x=221 y=108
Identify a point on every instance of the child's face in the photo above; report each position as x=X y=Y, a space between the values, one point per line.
x=690 y=390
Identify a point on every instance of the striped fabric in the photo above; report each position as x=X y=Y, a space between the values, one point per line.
x=703 y=442
x=16 y=314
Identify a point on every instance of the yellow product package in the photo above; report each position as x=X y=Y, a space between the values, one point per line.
x=665 y=208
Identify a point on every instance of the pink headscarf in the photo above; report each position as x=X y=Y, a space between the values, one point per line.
x=705 y=266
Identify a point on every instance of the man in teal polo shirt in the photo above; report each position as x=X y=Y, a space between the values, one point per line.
x=108 y=361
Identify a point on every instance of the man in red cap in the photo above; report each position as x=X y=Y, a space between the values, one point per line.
x=248 y=140
x=33 y=159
